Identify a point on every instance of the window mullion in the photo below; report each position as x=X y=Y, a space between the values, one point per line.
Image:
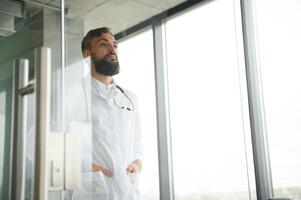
x=163 y=120
x=256 y=108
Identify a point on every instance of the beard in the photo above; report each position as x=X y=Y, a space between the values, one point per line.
x=105 y=66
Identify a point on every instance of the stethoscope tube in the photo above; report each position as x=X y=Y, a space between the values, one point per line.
x=122 y=107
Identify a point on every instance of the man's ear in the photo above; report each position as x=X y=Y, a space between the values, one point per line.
x=86 y=53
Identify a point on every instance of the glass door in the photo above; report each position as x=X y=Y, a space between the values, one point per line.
x=30 y=63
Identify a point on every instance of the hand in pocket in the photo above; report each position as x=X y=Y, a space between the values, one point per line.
x=105 y=171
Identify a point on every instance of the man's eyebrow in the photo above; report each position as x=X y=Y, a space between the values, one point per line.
x=103 y=39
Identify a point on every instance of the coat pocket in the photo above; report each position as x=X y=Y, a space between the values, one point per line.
x=134 y=179
x=93 y=187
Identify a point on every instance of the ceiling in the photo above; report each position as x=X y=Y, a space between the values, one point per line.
x=117 y=14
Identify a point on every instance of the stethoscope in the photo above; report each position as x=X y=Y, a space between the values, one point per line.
x=131 y=108
x=122 y=107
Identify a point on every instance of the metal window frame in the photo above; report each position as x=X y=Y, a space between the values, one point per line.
x=159 y=17
x=63 y=72
x=163 y=120
x=264 y=185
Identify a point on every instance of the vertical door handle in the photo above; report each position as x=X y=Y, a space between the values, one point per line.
x=42 y=88
x=21 y=74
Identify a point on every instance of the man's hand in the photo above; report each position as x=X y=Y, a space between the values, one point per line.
x=134 y=167
x=97 y=168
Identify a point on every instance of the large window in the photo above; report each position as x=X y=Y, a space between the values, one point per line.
x=279 y=30
x=137 y=74
x=209 y=122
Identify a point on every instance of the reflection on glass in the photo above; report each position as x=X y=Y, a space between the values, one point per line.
x=209 y=128
x=2 y=132
x=99 y=125
x=36 y=26
x=30 y=146
x=137 y=72
x=279 y=47
x=25 y=34
x=78 y=123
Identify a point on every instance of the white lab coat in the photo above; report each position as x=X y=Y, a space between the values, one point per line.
x=116 y=142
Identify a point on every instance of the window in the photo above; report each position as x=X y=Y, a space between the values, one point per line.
x=208 y=106
x=137 y=74
x=279 y=48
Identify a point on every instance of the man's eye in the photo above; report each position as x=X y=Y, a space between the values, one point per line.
x=103 y=44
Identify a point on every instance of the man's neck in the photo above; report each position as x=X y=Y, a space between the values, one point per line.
x=107 y=80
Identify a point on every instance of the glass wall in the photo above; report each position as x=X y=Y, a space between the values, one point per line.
x=279 y=45
x=208 y=106
x=209 y=111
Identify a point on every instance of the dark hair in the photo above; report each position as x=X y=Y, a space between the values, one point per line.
x=93 y=33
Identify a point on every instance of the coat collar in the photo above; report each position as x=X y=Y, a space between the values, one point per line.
x=106 y=91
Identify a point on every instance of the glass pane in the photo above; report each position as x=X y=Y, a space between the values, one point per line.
x=5 y=126
x=279 y=48
x=107 y=115
x=208 y=105
x=138 y=67
x=30 y=147
x=29 y=25
x=79 y=124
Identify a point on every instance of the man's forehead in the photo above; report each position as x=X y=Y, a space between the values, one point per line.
x=105 y=36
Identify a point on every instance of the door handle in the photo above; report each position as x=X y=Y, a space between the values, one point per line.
x=42 y=88
x=21 y=74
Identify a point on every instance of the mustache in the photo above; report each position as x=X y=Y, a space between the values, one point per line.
x=111 y=54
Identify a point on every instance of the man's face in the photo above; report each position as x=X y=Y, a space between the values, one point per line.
x=104 y=54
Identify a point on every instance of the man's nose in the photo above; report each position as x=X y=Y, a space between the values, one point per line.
x=112 y=49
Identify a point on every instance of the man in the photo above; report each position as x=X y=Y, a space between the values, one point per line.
x=116 y=139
